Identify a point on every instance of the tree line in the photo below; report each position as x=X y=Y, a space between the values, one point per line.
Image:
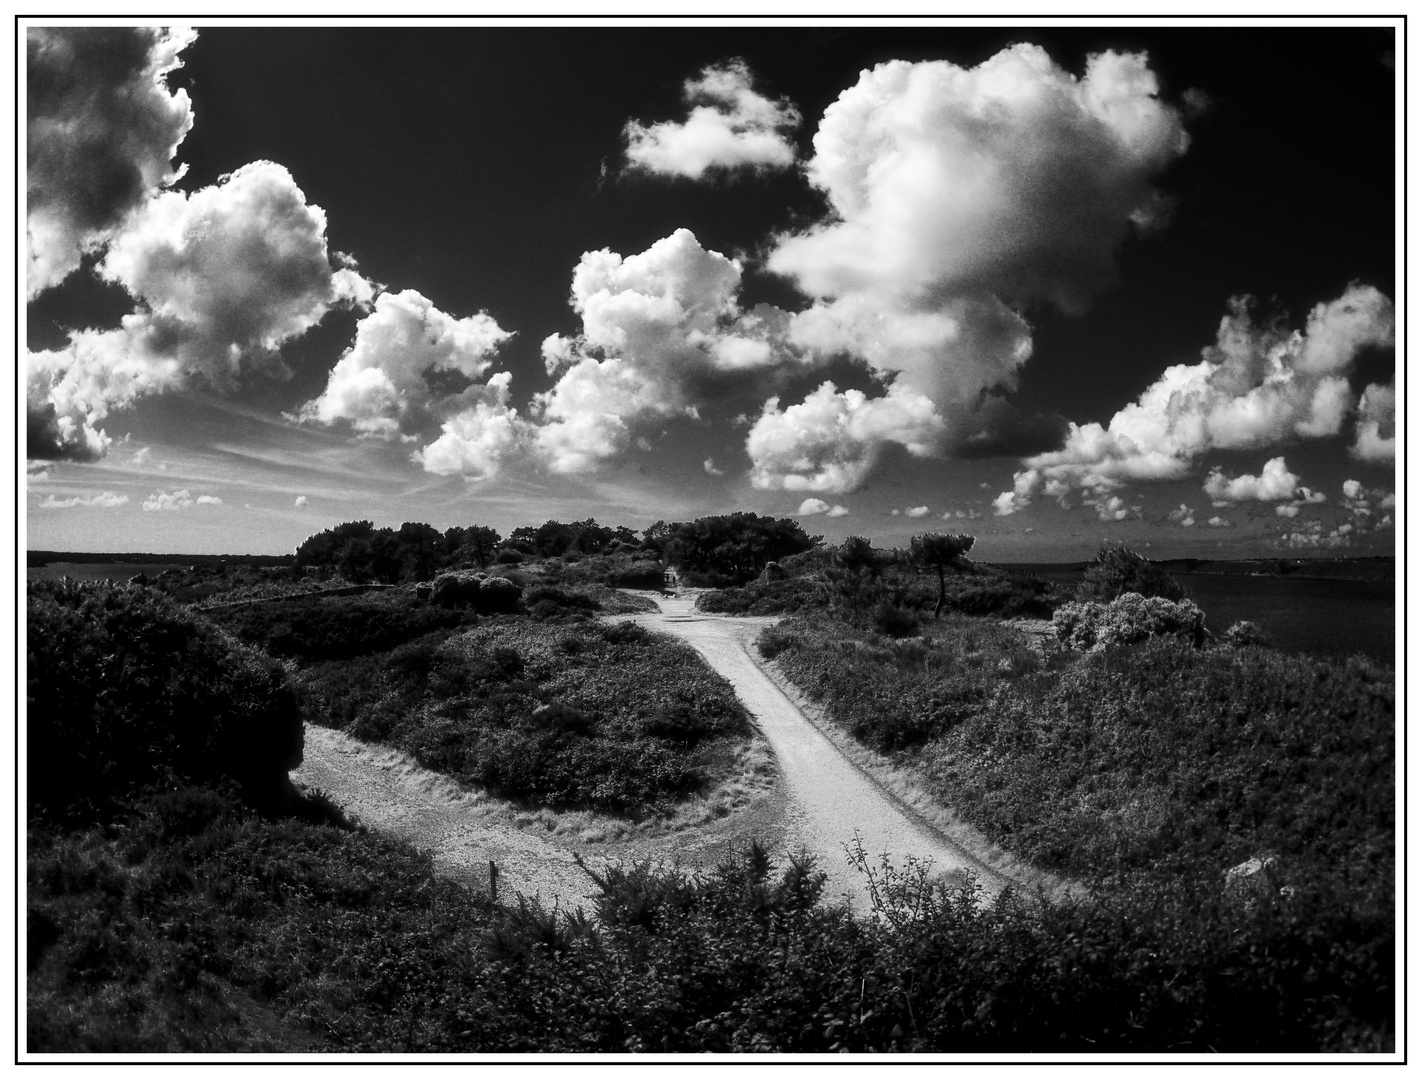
x=730 y=546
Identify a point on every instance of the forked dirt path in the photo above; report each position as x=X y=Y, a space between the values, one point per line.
x=829 y=799
x=820 y=801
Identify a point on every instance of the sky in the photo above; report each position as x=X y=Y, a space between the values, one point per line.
x=1053 y=287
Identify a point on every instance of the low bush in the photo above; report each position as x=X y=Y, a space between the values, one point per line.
x=128 y=690
x=1127 y=620
x=477 y=591
x=551 y=602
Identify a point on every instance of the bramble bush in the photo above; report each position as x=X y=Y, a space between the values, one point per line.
x=1127 y=620
x=127 y=690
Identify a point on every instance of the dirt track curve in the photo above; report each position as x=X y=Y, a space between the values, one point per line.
x=822 y=799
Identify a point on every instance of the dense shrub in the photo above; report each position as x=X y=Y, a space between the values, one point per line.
x=1127 y=620
x=126 y=689
x=1118 y=570
x=509 y=557
x=1244 y=633
x=339 y=627
x=550 y=602
x=476 y=591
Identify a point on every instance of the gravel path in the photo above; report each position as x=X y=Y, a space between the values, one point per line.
x=829 y=799
x=386 y=791
x=820 y=801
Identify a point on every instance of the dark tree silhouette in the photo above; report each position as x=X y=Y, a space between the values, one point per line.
x=940 y=550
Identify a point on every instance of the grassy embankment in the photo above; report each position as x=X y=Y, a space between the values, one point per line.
x=1145 y=771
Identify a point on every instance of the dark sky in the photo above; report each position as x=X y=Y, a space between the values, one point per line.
x=476 y=166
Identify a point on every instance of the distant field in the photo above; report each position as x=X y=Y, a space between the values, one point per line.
x=118 y=571
x=1319 y=615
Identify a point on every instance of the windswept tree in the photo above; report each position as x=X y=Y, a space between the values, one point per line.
x=940 y=550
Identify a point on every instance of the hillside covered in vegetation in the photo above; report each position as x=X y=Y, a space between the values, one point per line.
x=183 y=896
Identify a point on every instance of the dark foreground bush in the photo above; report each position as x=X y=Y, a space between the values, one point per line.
x=126 y=690
x=202 y=928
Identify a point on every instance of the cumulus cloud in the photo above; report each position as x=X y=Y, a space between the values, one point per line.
x=300 y=501
x=1377 y=435
x=1258 y=386
x=475 y=441
x=395 y=378
x=101 y=132
x=178 y=500
x=728 y=126
x=1312 y=534
x=1219 y=523
x=104 y=499
x=1113 y=508
x=831 y=441
x=710 y=466
x=662 y=332
x=916 y=512
x=223 y=277
x=837 y=511
x=1275 y=483
x=1184 y=516
x=959 y=195
x=812 y=506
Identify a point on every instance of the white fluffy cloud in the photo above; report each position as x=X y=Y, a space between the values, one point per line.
x=301 y=501
x=916 y=512
x=661 y=332
x=393 y=379
x=476 y=440
x=181 y=499
x=837 y=511
x=223 y=277
x=729 y=126
x=1219 y=523
x=960 y=194
x=812 y=506
x=1184 y=516
x=711 y=470
x=1258 y=386
x=1275 y=483
x=104 y=499
x=832 y=440
x=1377 y=434
x=102 y=129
